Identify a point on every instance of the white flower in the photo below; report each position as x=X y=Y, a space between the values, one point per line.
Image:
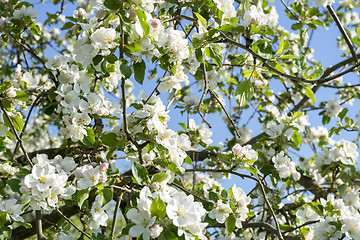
x=244 y=151
x=98 y=214
x=103 y=38
x=12 y=209
x=64 y=164
x=25 y=11
x=63 y=236
x=220 y=211
x=7 y=169
x=257 y=17
x=155 y=231
x=90 y=177
x=324 y=3
x=240 y=200
x=183 y=210
x=142 y=220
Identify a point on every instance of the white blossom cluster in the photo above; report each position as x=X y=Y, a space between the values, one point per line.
x=285 y=166
x=47 y=183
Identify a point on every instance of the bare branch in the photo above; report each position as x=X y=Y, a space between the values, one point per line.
x=342 y=30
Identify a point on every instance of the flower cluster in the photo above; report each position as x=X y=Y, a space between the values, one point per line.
x=285 y=166
x=45 y=185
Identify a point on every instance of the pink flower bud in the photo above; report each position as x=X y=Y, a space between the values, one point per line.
x=104 y=166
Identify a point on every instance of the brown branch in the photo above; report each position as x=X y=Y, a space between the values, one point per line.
x=342 y=30
x=123 y=94
x=49 y=220
x=226 y=113
x=25 y=123
x=16 y=134
x=290 y=77
x=116 y=212
x=39 y=229
x=206 y=88
x=286 y=6
x=72 y=224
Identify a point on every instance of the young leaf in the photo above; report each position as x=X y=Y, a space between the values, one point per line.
x=230 y=224
x=82 y=195
x=310 y=94
x=140 y=173
x=158 y=208
x=139 y=71
x=214 y=52
x=112 y=4
x=142 y=18
x=125 y=69
x=159 y=177
x=109 y=139
x=202 y=20
x=89 y=139
x=244 y=92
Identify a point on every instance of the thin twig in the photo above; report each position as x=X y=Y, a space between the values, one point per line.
x=290 y=77
x=227 y=114
x=116 y=211
x=25 y=123
x=342 y=30
x=206 y=88
x=39 y=231
x=290 y=11
x=123 y=93
x=16 y=134
x=72 y=224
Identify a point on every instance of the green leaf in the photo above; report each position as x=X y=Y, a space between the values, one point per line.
x=358 y=31
x=283 y=47
x=214 y=51
x=230 y=224
x=297 y=138
x=25 y=225
x=113 y=4
x=97 y=59
x=18 y=123
x=202 y=20
x=244 y=92
x=21 y=96
x=5 y=233
x=310 y=94
x=158 y=208
x=244 y=5
x=325 y=119
x=14 y=184
x=89 y=140
x=263 y=48
x=125 y=69
x=67 y=25
x=356 y=40
x=252 y=170
x=297 y=26
x=109 y=139
x=140 y=173
x=172 y=1
x=81 y=196
x=142 y=18
x=188 y=160
x=342 y=114
x=226 y=27
x=107 y=195
x=297 y=115
x=3 y=220
x=159 y=177
x=139 y=71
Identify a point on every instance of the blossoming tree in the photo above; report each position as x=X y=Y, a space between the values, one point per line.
x=123 y=72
